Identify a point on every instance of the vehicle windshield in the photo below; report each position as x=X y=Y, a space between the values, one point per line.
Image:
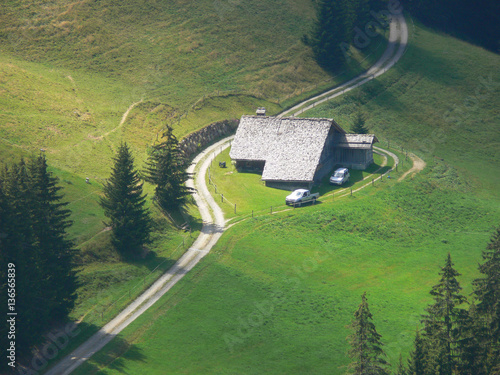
x=339 y=174
x=296 y=194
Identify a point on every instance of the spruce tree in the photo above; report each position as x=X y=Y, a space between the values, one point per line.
x=366 y=353
x=32 y=238
x=358 y=126
x=166 y=170
x=472 y=344
x=124 y=206
x=334 y=29
x=20 y=248
x=50 y=219
x=487 y=292
x=441 y=321
x=423 y=359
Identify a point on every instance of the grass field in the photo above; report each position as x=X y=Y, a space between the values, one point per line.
x=69 y=72
x=441 y=101
x=276 y=293
x=249 y=193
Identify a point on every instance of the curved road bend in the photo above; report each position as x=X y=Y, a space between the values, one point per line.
x=212 y=215
x=398 y=38
x=213 y=226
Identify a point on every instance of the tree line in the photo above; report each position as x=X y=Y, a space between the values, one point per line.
x=454 y=339
x=38 y=281
x=42 y=288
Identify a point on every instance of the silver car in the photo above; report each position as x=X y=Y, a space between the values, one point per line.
x=340 y=176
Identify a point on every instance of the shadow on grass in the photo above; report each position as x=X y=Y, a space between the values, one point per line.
x=114 y=356
x=63 y=341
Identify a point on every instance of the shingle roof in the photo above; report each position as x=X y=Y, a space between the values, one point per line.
x=355 y=141
x=290 y=146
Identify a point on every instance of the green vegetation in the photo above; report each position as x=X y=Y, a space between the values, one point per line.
x=249 y=193
x=305 y=269
x=441 y=102
x=342 y=23
x=276 y=293
x=123 y=205
x=358 y=126
x=366 y=353
x=166 y=170
x=77 y=80
x=456 y=340
x=36 y=254
x=467 y=19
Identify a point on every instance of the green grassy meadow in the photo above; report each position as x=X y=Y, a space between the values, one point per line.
x=70 y=70
x=440 y=101
x=249 y=193
x=276 y=293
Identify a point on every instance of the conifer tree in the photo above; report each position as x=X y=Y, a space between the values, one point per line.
x=50 y=219
x=487 y=292
x=366 y=353
x=21 y=249
x=333 y=30
x=472 y=344
x=358 y=126
x=33 y=239
x=123 y=204
x=339 y=22
x=166 y=170
x=441 y=321
x=422 y=361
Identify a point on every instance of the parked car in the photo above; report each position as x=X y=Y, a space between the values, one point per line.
x=301 y=196
x=340 y=176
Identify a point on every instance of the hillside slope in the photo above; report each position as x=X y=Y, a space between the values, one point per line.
x=441 y=101
x=277 y=292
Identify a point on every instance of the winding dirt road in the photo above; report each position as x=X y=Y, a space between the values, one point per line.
x=212 y=215
x=398 y=40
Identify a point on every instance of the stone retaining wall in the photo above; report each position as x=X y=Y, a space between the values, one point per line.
x=195 y=142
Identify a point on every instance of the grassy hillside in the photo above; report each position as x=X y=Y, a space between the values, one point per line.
x=175 y=51
x=442 y=101
x=69 y=71
x=276 y=293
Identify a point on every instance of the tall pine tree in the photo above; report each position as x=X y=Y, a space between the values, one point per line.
x=472 y=346
x=124 y=206
x=166 y=170
x=341 y=24
x=366 y=353
x=333 y=33
x=33 y=222
x=50 y=219
x=441 y=321
x=487 y=292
